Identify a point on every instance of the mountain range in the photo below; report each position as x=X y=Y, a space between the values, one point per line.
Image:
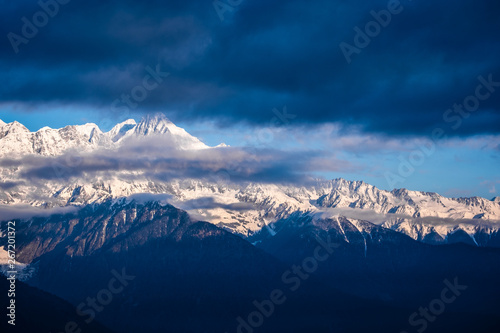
x=209 y=253
x=243 y=208
x=191 y=276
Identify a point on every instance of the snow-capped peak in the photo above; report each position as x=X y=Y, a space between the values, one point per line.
x=16 y=139
x=88 y=129
x=15 y=127
x=121 y=129
x=154 y=124
x=496 y=199
x=159 y=124
x=13 y=131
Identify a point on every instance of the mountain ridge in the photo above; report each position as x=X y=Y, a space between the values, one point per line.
x=192 y=269
x=243 y=208
x=16 y=139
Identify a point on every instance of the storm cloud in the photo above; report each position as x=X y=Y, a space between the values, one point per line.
x=261 y=56
x=154 y=159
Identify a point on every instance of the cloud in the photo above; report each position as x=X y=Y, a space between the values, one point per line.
x=380 y=218
x=210 y=203
x=142 y=198
x=265 y=55
x=353 y=213
x=24 y=211
x=156 y=159
x=491 y=185
x=9 y=185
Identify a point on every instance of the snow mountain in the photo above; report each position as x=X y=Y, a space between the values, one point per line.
x=243 y=208
x=17 y=140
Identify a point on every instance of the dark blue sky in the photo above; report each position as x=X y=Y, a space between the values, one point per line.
x=83 y=62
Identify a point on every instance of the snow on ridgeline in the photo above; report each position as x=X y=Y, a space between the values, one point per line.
x=16 y=139
x=243 y=209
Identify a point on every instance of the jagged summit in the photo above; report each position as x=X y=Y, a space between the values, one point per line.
x=154 y=124
x=399 y=209
x=121 y=129
x=16 y=139
x=88 y=129
x=15 y=126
